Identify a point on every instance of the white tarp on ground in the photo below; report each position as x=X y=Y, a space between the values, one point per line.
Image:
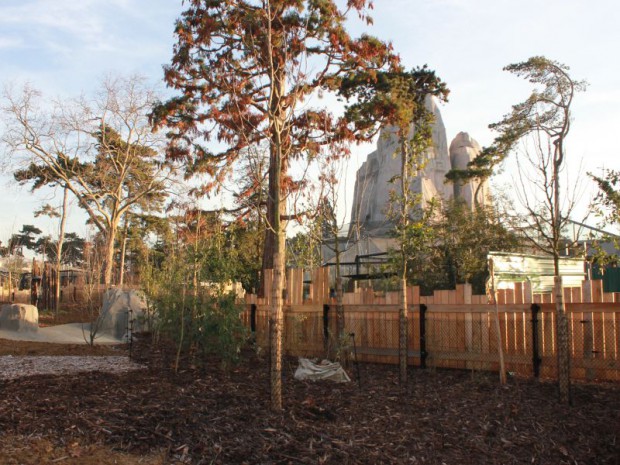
x=332 y=371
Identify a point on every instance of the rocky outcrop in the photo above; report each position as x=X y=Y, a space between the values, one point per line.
x=119 y=307
x=19 y=317
x=371 y=200
x=463 y=149
x=373 y=186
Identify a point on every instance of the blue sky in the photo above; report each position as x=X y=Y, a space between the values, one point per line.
x=63 y=47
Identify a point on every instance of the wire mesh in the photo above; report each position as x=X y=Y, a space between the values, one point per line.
x=460 y=337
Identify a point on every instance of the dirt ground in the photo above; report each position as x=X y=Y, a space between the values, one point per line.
x=204 y=415
x=69 y=313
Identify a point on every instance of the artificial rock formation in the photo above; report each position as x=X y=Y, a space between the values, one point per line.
x=373 y=186
x=464 y=149
x=371 y=228
x=19 y=317
x=122 y=312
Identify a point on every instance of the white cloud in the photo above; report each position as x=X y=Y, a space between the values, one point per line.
x=68 y=26
x=73 y=18
x=11 y=42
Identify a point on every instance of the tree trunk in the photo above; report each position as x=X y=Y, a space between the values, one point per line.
x=275 y=326
x=339 y=292
x=498 y=332
x=276 y=317
x=402 y=331
x=276 y=209
x=270 y=241
x=195 y=266
x=121 y=271
x=109 y=257
x=10 y=286
x=562 y=334
x=562 y=330
x=402 y=312
x=61 y=240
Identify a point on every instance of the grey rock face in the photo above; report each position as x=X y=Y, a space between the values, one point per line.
x=373 y=187
x=19 y=317
x=463 y=149
x=118 y=307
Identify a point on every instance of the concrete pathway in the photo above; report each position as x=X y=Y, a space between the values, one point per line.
x=71 y=333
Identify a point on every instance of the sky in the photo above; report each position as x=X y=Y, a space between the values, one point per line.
x=65 y=47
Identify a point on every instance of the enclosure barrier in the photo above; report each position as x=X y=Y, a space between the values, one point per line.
x=454 y=329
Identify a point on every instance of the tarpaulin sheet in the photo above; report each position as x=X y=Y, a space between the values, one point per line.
x=333 y=371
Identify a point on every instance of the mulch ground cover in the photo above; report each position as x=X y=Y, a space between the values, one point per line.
x=206 y=415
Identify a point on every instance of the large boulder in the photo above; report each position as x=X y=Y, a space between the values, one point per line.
x=19 y=317
x=120 y=309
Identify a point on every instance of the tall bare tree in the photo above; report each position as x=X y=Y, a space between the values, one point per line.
x=101 y=149
x=543 y=120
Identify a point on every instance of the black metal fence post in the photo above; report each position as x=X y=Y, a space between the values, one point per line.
x=325 y=323
x=326 y=343
x=423 y=353
x=536 y=360
x=253 y=318
x=357 y=364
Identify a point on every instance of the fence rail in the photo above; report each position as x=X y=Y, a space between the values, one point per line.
x=458 y=336
x=451 y=329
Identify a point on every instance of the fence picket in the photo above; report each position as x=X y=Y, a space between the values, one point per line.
x=459 y=333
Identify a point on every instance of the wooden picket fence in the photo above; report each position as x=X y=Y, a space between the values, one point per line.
x=451 y=328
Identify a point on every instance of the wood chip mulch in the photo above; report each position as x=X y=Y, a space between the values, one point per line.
x=205 y=415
